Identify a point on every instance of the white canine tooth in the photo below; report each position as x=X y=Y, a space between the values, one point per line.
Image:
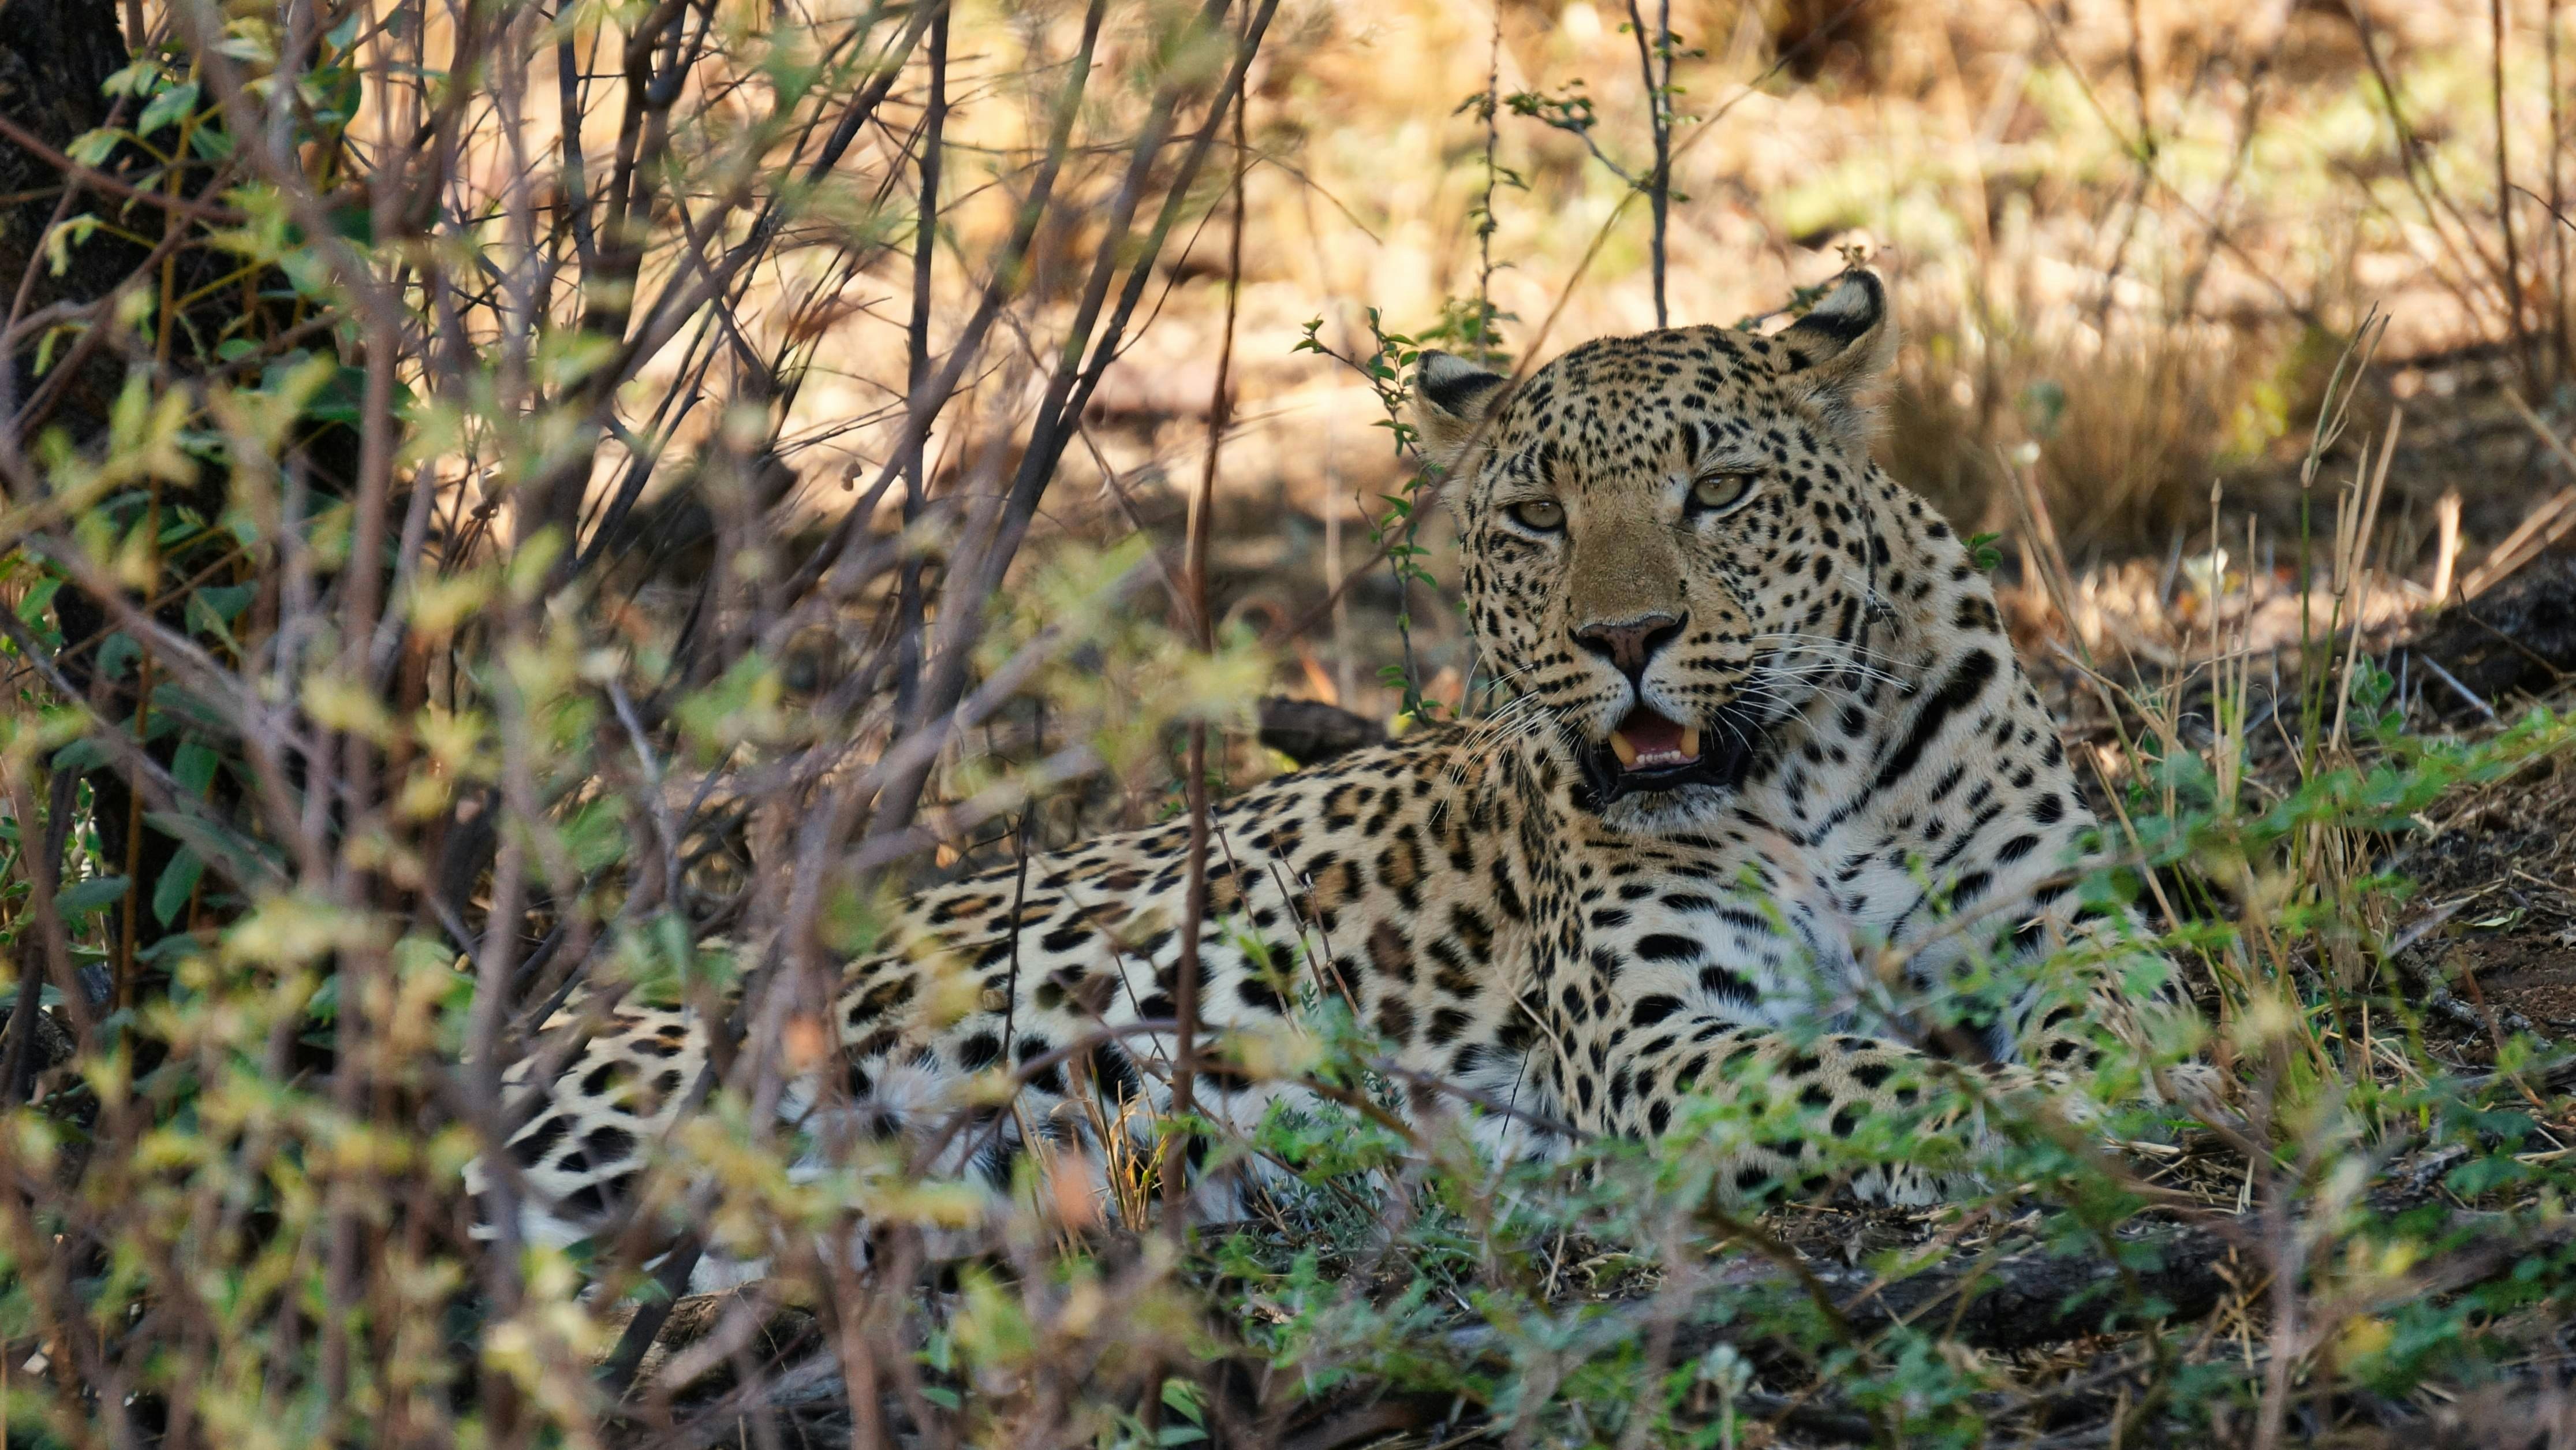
x=1620 y=747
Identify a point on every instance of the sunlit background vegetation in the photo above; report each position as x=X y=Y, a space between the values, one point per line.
x=506 y=500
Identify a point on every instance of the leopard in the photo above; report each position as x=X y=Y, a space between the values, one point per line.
x=1771 y=787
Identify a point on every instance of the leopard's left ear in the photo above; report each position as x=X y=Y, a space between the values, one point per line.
x=1837 y=356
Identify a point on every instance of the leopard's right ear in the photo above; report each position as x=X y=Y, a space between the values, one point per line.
x=1453 y=400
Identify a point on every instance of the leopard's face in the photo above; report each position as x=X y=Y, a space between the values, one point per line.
x=1667 y=542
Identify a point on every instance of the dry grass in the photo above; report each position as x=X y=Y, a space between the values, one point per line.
x=2134 y=235
x=2132 y=244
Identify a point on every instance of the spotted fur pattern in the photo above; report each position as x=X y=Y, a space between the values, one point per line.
x=1899 y=818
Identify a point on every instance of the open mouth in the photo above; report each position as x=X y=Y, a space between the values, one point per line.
x=1650 y=753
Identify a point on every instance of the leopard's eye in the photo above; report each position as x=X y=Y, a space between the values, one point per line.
x=1720 y=490
x=1545 y=515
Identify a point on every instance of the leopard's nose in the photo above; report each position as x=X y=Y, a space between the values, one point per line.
x=1629 y=645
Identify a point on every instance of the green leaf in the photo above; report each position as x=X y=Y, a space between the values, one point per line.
x=178 y=882
x=227 y=601
x=203 y=620
x=85 y=897
x=248 y=860
x=133 y=79
x=194 y=768
x=357 y=222
x=188 y=705
x=39 y=595
x=341 y=397
x=175 y=104
x=595 y=834
x=324 y=1005
x=91 y=148
x=81 y=755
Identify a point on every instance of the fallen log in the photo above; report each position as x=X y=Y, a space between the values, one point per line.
x=1310 y=732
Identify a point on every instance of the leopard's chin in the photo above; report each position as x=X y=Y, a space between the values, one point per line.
x=1653 y=758
x=1656 y=815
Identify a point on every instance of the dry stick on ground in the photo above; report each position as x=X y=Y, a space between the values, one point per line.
x=2350 y=567
x=2543 y=526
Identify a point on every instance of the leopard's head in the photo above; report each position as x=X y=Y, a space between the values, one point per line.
x=1668 y=540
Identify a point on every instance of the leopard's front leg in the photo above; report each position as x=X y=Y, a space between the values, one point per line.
x=1800 y=1106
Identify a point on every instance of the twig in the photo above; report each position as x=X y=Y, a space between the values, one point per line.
x=2445 y=676
x=92 y=176
x=1185 y=989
